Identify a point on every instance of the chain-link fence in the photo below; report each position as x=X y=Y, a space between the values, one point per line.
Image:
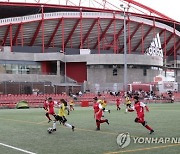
x=105 y=87
x=8 y=87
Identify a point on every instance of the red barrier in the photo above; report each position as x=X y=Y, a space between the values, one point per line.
x=85 y=104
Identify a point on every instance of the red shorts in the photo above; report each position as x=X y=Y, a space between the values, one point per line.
x=140 y=116
x=98 y=115
x=51 y=112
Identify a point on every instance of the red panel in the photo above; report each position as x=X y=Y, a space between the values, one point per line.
x=84 y=104
x=77 y=71
x=45 y=67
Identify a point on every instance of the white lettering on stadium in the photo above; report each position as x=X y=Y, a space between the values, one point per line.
x=155 y=47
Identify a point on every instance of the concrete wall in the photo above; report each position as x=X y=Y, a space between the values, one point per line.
x=94 y=75
x=55 y=79
x=98 y=75
x=90 y=59
x=135 y=59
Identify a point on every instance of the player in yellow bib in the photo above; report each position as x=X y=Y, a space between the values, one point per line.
x=62 y=110
x=71 y=104
x=103 y=103
x=128 y=103
x=61 y=117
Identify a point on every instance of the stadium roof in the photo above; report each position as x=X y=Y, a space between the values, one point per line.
x=77 y=26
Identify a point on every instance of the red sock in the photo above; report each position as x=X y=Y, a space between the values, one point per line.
x=102 y=121
x=149 y=128
x=98 y=124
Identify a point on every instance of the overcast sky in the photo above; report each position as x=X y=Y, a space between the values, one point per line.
x=170 y=8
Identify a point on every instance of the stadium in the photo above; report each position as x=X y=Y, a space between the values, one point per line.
x=75 y=45
x=50 y=51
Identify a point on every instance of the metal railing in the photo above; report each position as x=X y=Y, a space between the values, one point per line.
x=53 y=15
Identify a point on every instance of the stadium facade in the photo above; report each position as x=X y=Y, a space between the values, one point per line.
x=85 y=45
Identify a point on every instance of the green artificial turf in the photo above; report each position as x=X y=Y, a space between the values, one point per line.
x=27 y=129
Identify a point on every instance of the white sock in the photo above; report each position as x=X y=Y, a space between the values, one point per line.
x=126 y=110
x=54 y=125
x=106 y=110
x=67 y=125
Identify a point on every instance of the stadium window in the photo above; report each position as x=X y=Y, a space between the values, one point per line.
x=145 y=72
x=115 y=72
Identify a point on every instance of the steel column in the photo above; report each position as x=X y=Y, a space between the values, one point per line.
x=42 y=26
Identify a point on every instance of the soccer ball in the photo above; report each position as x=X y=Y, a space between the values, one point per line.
x=49 y=130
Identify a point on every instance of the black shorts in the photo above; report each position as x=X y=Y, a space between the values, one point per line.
x=128 y=105
x=61 y=119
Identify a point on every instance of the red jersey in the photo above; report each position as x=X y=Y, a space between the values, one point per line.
x=97 y=110
x=96 y=107
x=45 y=105
x=50 y=106
x=117 y=101
x=139 y=107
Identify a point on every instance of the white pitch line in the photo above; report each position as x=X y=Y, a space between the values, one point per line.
x=25 y=151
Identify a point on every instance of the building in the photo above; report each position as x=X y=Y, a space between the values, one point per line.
x=78 y=44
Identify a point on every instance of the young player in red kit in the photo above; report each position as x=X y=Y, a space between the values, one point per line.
x=98 y=111
x=49 y=107
x=118 y=101
x=139 y=107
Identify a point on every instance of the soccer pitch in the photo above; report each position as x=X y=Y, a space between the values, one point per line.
x=25 y=131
